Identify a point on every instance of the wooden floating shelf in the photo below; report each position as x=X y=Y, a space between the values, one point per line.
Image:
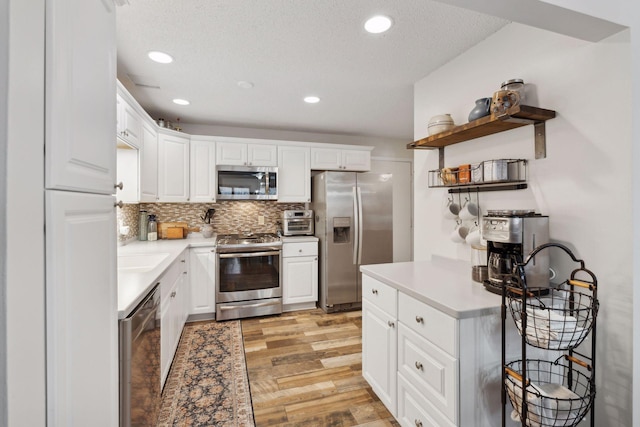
x=515 y=117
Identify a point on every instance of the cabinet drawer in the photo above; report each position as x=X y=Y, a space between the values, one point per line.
x=382 y=296
x=432 y=324
x=299 y=249
x=430 y=370
x=414 y=410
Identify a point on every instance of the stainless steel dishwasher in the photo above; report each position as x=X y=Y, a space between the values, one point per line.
x=140 y=391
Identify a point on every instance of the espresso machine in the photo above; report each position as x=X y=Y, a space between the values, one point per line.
x=511 y=235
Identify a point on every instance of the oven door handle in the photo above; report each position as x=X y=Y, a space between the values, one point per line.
x=249 y=254
x=256 y=305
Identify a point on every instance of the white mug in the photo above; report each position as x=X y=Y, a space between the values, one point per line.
x=474 y=238
x=458 y=235
x=451 y=210
x=469 y=211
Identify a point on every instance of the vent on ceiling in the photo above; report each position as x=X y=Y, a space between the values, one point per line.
x=142 y=81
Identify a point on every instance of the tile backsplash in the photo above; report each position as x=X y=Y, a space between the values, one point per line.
x=230 y=216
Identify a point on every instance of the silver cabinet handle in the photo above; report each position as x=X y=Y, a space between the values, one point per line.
x=374 y=291
x=391 y=324
x=418 y=366
x=119 y=185
x=419 y=319
x=173 y=294
x=182 y=260
x=120 y=204
x=300 y=250
x=184 y=272
x=418 y=423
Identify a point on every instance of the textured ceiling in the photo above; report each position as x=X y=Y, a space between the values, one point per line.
x=290 y=49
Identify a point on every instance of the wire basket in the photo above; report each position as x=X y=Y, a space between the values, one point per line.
x=560 y=320
x=563 y=318
x=556 y=394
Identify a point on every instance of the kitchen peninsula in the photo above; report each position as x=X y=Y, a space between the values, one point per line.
x=431 y=343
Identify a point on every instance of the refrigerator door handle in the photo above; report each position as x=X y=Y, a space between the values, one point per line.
x=356 y=226
x=360 y=226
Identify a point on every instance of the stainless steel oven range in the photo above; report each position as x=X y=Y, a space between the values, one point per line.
x=248 y=275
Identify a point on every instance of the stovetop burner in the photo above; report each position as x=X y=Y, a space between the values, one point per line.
x=511 y=212
x=254 y=239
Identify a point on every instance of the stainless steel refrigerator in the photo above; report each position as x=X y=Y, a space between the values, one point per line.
x=354 y=222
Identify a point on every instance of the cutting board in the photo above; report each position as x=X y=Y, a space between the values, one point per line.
x=172 y=230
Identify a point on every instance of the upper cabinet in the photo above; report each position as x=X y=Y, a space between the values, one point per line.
x=80 y=91
x=294 y=174
x=173 y=167
x=149 y=164
x=202 y=171
x=129 y=127
x=340 y=159
x=246 y=154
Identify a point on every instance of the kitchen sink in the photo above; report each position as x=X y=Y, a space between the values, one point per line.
x=140 y=263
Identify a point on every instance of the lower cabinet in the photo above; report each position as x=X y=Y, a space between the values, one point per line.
x=380 y=340
x=299 y=275
x=428 y=368
x=174 y=292
x=202 y=281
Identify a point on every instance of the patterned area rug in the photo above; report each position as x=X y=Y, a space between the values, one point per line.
x=208 y=383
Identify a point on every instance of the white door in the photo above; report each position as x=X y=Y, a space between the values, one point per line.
x=202 y=277
x=81 y=307
x=80 y=117
x=300 y=279
x=202 y=169
x=326 y=159
x=231 y=153
x=173 y=168
x=149 y=164
x=356 y=160
x=294 y=175
x=262 y=155
x=402 y=205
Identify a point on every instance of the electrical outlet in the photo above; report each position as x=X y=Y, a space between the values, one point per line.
x=260 y=219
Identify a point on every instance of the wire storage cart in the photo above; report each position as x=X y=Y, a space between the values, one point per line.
x=559 y=392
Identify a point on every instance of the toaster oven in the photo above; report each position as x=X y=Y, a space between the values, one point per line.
x=297 y=223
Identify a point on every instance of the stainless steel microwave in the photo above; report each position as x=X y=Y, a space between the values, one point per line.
x=247 y=182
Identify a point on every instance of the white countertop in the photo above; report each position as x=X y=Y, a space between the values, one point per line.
x=442 y=283
x=133 y=286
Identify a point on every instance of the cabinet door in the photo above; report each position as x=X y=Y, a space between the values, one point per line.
x=294 y=174
x=80 y=88
x=300 y=279
x=81 y=307
x=262 y=155
x=379 y=353
x=326 y=159
x=231 y=153
x=173 y=168
x=202 y=279
x=129 y=123
x=202 y=169
x=356 y=160
x=149 y=164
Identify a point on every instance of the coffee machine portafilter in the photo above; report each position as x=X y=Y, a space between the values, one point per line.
x=511 y=236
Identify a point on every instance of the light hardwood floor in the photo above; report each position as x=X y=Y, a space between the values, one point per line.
x=305 y=370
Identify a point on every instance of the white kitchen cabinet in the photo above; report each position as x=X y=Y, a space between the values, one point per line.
x=127 y=166
x=246 y=154
x=80 y=86
x=340 y=159
x=202 y=169
x=174 y=294
x=149 y=164
x=202 y=280
x=173 y=167
x=129 y=123
x=81 y=308
x=379 y=340
x=294 y=174
x=299 y=274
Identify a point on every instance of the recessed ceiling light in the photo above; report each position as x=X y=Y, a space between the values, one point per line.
x=245 y=85
x=311 y=99
x=161 y=57
x=181 y=101
x=378 y=24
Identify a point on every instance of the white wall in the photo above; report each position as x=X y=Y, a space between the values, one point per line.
x=25 y=216
x=584 y=184
x=383 y=147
